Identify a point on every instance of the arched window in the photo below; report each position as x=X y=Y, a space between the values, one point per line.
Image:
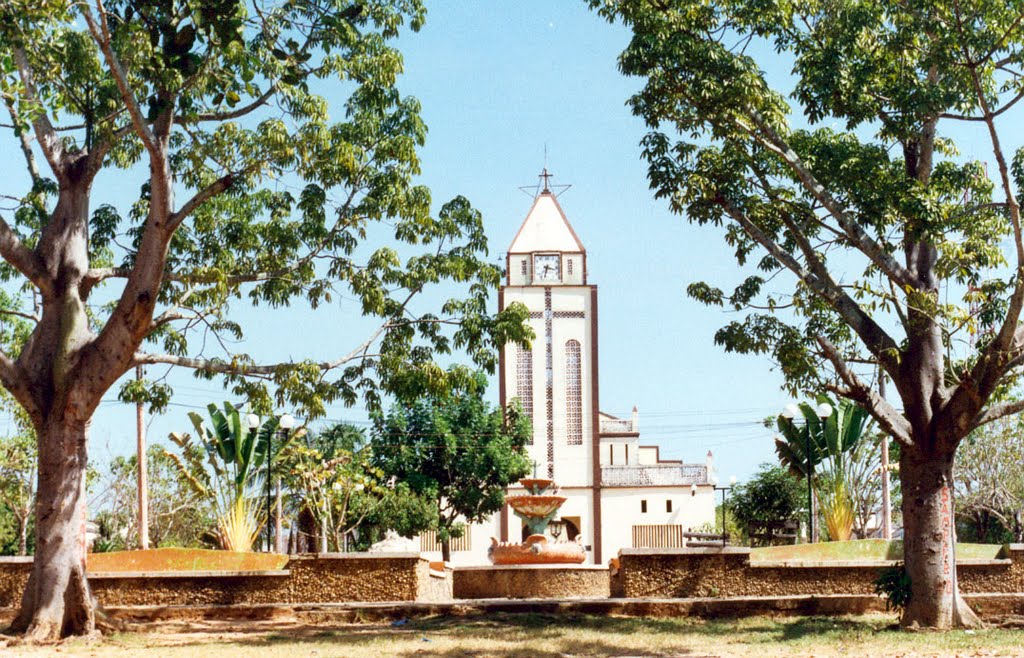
x=573 y=394
x=524 y=382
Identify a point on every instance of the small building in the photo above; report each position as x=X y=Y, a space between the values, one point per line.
x=619 y=491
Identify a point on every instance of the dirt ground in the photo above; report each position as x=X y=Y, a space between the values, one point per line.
x=540 y=636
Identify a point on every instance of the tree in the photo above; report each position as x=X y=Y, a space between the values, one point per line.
x=456 y=450
x=178 y=515
x=18 y=482
x=214 y=104
x=225 y=463
x=990 y=482
x=771 y=495
x=893 y=243
x=329 y=473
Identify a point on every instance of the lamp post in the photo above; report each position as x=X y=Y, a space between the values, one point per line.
x=823 y=411
x=725 y=491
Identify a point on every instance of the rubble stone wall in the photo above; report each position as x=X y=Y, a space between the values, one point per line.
x=712 y=572
x=329 y=578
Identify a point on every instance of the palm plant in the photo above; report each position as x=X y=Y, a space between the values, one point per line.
x=225 y=462
x=825 y=449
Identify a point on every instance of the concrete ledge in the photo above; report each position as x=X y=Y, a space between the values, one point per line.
x=108 y=575
x=862 y=564
x=409 y=555
x=725 y=550
x=531 y=567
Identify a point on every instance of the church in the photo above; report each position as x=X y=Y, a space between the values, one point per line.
x=619 y=491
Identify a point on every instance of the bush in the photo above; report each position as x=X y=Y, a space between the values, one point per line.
x=894 y=584
x=772 y=494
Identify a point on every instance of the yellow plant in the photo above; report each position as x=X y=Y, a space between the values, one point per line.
x=836 y=508
x=240 y=524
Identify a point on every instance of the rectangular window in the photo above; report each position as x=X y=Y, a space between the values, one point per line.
x=568 y=266
x=668 y=506
x=643 y=507
x=522 y=267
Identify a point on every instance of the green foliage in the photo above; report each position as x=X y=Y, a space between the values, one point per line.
x=178 y=514
x=331 y=475
x=772 y=494
x=18 y=478
x=990 y=482
x=282 y=199
x=894 y=584
x=456 y=451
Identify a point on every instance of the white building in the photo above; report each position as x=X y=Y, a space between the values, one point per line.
x=620 y=492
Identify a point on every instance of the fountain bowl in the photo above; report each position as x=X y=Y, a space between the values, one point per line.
x=536 y=507
x=537 y=550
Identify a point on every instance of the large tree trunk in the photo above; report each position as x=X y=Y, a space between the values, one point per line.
x=928 y=542
x=57 y=601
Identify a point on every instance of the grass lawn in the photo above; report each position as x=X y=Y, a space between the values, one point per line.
x=546 y=636
x=864 y=549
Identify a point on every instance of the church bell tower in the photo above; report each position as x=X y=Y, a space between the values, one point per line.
x=555 y=379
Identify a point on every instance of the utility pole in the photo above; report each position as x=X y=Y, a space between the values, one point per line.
x=140 y=433
x=886 y=501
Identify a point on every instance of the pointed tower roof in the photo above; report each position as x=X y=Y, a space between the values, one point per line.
x=546 y=228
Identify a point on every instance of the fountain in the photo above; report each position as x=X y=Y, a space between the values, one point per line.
x=537 y=509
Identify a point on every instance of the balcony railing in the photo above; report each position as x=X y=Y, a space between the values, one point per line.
x=654 y=475
x=617 y=426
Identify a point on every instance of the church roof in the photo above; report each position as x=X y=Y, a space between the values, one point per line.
x=546 y=228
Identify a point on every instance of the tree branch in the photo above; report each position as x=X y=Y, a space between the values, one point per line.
x=49 y=143
x=887 y=416
x=22 y=258
x=998 y=411
x=235 y=114
x=881 y=345
x=853 y=231
x=101 y=34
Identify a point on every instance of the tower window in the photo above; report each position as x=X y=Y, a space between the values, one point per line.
x=643 y=507
x=524 y=383
x=668 y=506
x=573 y=394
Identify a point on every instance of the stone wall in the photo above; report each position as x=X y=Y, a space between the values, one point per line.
x=329 y=578
x=714 y=572
x=531 y=581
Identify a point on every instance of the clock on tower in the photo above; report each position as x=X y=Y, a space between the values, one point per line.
x=547 y=267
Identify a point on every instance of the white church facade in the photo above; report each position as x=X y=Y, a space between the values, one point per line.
x=619 y=491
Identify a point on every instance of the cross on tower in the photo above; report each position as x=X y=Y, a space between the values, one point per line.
x=545 y=176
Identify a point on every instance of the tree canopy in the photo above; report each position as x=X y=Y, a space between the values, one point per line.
x=455 y=450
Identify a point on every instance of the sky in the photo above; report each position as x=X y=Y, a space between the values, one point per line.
x=509 y=87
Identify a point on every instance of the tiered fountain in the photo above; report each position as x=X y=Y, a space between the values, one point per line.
x=537 y=509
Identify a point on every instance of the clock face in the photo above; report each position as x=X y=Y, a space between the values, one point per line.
x=547 y=267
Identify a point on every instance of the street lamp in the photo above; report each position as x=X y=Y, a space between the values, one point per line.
x=725 y=491
x=822 y=411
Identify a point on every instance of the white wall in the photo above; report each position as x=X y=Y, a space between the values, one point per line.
x=620 y=511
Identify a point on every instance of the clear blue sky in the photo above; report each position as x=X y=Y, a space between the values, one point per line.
x=499 y=83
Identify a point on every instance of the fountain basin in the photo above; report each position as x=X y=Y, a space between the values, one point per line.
x=537 y=550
